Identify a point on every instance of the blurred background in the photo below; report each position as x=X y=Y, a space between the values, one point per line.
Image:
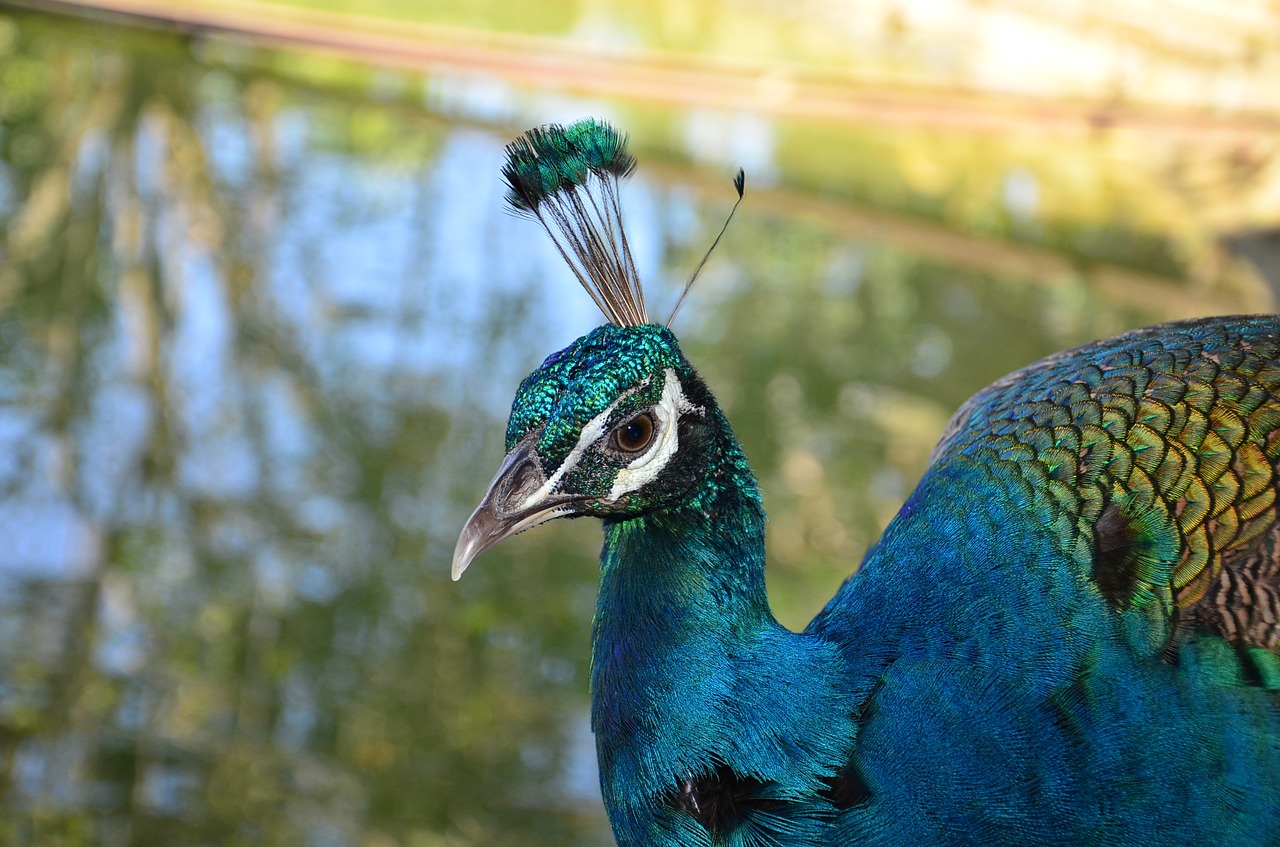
x=262 y=312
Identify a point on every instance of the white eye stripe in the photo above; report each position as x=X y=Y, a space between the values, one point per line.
x=645 y=468
x=594 y=430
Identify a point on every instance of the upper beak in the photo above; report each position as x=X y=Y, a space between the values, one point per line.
x=515 y=501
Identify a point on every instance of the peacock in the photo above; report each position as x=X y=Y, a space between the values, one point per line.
x=1067 y=636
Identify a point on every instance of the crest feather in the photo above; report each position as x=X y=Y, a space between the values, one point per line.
x=567 y=178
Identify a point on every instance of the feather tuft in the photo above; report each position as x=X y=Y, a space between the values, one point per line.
x=566 y=178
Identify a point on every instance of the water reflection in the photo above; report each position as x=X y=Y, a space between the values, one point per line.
x=256 y=351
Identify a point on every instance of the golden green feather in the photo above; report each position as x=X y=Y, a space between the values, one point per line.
x=1182 y=447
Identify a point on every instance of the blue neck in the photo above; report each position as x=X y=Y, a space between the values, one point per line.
x=680 y=596
x=690 y=670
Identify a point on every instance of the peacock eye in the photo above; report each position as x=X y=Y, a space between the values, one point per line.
x=634 y=435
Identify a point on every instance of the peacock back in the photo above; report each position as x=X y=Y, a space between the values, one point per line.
x=1154 y=457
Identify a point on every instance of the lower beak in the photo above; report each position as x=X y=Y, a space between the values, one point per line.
x=515 y=501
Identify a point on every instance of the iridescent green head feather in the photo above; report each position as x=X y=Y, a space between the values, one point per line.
x=578 y=383
x=618 y=425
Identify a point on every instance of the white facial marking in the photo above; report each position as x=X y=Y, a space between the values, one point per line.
x=590 y=434
x=645 y=468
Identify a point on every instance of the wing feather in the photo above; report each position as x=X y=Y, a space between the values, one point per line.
x=1161 y=447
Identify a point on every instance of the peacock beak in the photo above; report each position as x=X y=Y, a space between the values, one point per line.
x=517 y=499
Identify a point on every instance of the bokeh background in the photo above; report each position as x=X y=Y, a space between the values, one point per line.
x=262 y=312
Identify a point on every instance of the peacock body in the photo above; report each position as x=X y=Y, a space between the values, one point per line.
x=1068 y=635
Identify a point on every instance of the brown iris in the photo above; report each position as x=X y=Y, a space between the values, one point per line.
x=634 y=435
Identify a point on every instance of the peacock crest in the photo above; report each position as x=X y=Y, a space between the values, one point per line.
x=566 y=178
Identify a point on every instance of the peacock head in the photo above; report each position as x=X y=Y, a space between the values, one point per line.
x=613 y=426
x=617 y=424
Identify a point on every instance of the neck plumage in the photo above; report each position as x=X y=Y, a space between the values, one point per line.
x=681 y=592
x=691 y=673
